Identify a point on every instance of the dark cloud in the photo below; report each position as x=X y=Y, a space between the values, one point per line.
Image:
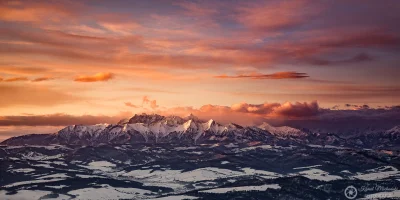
x=277 y=75
x=15 y=79
x=361 y=57
x=357 y=107
x=365 y=39
x=40 y=79
x=298 y=109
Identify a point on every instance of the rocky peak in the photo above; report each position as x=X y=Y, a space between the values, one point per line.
x=145 y=118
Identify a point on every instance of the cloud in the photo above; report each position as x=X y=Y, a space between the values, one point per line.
x=14 y=79
x=361 y=57
x=249 y=114
x=278 y=75
x=265 y=108
x=298 y=109
x=21 y=78
x=120 y=28
x=301 y=115
x=38 y=11
x=279 y=110
x=277 y=15
x=370 y=38
x=357 y=107
x=145 y=100
x=40 y=79
x=95 y=78
x=151 y=103
x=129 y=104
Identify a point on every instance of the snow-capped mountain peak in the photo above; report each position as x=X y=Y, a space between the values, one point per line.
x=282 y=130
x=157 y=128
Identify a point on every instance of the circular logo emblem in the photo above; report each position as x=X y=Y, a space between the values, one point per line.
x=350 y=192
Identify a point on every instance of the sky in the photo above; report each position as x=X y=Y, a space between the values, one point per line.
x=67 y=62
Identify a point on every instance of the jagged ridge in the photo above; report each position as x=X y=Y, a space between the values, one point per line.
x=155 y=128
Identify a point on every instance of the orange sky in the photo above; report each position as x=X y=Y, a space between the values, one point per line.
x=175 y=57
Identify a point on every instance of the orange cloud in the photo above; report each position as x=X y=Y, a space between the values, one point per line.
x=152 y=103
x=297 y=109
x=248 y=114
x=16 y=79
x=254 y=108
x=95 y=78
x=40 y=79
x=277 y=15
x=32 y=11
x=129 y=104
x=278 y=75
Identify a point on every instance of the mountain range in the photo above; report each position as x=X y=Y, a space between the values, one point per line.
x=153 y=128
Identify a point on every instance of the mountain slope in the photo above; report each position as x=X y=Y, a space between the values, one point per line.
x=146 y=129
x=191 y=130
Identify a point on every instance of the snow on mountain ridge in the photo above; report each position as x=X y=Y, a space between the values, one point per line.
x=151 y=128
x=282 y=130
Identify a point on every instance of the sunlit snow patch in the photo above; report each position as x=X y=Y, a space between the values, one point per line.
x=32 y=182
x=24 y=194
x=54 y=176
x=318 y=174
x=261 y=173
x=307 y=167
x=39 y=156
x=244 y=188
x=257 y=147
x=109 y=192
x=179 y=197
x=56 y=186
x=100 y=165
x=22 y=170
x=378 y=173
